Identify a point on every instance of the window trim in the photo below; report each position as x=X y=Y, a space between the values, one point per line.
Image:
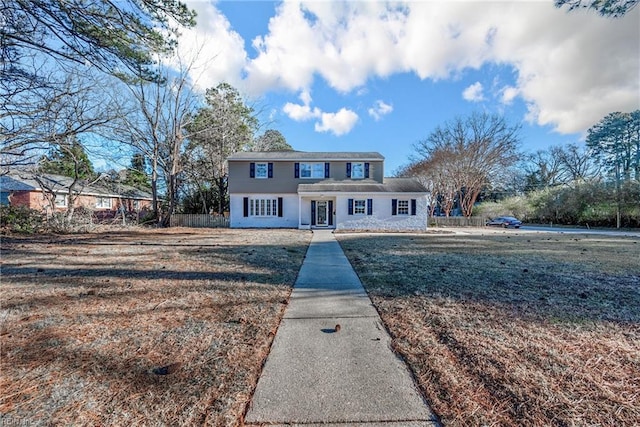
x=365 y=170
x=359 y=210
x=403 y=207
x=412 y=203
x=319 y=168
x=253 y=170
x=100 y=202
x=61 y=203
x=367 y=208
x=258 y=167
x=263 y=207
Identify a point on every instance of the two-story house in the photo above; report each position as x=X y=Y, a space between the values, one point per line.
x=341 y=190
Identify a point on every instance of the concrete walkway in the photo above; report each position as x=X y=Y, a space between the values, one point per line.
x=315 y=375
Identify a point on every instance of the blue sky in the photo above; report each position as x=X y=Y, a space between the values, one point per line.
x=378 y=76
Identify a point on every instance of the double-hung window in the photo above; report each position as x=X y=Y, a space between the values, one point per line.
x=262 y=170
x=359 y=207
x=61 y=200
x=403 y=207
x=103 y=202
x=312 y=170
x=357 y=170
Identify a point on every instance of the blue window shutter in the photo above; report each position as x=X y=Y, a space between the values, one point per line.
x=245 y=206
x=369 y=206
x=413 y=206
x=394 y=206
x=348 y=169
x=296 y=170
x=350 y=207
x=280 y=206
x=326 y=170
x=252 y=170
x=313 y=212
x=366 y=170
x=330 y=212
x=270 y=170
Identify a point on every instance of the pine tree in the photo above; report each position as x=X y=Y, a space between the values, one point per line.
x=68 y=159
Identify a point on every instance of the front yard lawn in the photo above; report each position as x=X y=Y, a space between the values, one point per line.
x=512 y=328
x=156 y=327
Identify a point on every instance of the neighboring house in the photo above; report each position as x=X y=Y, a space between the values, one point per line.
x=19 y=188
x=294 y=189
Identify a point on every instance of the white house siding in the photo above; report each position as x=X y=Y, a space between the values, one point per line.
x=381 y=218
x=288 y=220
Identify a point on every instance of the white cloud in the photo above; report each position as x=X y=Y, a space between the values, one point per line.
x=338 y=123
x=300 y=113
x=379 y=109
x=571 y=68
x=213 y=50
x=508 y=94
x=304 y=112
x=474 y=93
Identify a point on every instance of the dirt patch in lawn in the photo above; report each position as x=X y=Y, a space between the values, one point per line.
x=512 y=328
x=157 y=327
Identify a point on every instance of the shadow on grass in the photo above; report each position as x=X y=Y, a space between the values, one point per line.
x=82 y=312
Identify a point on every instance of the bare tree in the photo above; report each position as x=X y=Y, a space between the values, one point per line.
x=576 y=163
x=37 y=120
x=470 y=153
x=156 y=126
x=543 y=169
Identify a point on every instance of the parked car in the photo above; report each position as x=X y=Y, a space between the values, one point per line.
x=505 y=221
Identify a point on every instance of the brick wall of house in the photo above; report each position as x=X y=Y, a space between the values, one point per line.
x=36 y=200
x=30 y=199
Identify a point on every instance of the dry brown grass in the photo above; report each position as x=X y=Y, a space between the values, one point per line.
x=86 y=319
x=512 y=328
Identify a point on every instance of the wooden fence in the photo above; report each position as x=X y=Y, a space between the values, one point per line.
x=456 y=221
x=199 y=221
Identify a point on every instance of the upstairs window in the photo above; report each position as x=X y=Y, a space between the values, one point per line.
x=261 y=170
x=357 y=170
x=312 y=170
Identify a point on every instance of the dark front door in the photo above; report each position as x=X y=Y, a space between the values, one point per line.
x=322 y=213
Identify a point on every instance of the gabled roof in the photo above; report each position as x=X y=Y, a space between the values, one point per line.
x=389 y=185
x=25 y=181
x=303 y=155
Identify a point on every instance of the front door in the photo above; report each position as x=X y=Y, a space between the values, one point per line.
x=321 y=213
